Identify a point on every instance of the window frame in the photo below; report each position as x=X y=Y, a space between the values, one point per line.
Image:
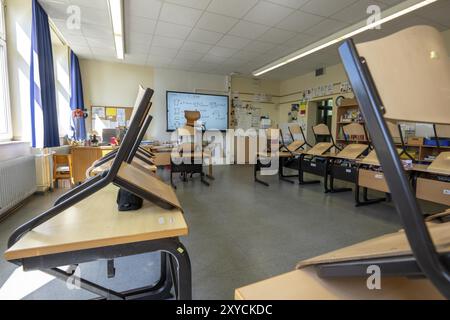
x=6 y=135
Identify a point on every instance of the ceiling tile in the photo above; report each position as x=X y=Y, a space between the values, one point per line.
x=196 y=47
x=216 y=22
x=163 y=52
x=136 y=47
x=299 y=21
x=172 y=30
x=205 y=36
x=137 y=37
x=326 y=28
x=99 y=4
x=294 y=4
x=165 y=42
x=95 y=16
x=95 y=31
x=158 y=60
x=357 y=11
x=259 y=46
x=103 y=52
x=212 y=58
x=139 y=59
x=267 y=13
x=222 y=52
x=232 y=8
x=179 y=15
x=277 y=36
x=182 y=63
x=326 y=8
x=189 y=55
x=233 y=42
x=196 y=4
x=248 y=30
x=300 y=41
x=76 y=40
x=141 y=25
x=100 y=43
x=143 y=8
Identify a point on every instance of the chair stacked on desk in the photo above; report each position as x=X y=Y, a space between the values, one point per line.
x=413 y=263
x=315 y=160
x=86 y=225
x=287 y=155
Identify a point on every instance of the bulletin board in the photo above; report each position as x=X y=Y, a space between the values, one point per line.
x=107 y=117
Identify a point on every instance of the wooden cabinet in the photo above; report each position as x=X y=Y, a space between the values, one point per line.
x=83 y=158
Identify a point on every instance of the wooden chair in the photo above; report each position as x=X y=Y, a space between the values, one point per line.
x=62 y=167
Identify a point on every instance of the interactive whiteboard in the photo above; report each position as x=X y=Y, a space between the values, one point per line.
x=213 y=108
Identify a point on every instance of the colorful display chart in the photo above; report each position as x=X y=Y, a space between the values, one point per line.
x=213 y=109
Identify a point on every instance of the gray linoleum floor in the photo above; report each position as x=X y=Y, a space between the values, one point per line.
x=240 y=233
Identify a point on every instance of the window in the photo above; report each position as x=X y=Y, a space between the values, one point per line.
x=62 y=84
x=5 y=114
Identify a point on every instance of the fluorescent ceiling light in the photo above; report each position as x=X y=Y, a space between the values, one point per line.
x=390 y=14
x=116 y=10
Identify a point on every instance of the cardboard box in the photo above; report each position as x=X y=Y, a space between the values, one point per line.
x=415 y=141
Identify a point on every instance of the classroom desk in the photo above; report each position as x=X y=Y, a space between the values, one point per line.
x=286 y=160
x=430 y=182
x=94 y=229
x=342 y=274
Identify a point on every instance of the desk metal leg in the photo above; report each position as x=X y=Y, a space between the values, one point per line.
x=301 y=173
x=181 y=277
x=256 y=169
x=281 y=174
x=366 y=201
x=336 y=190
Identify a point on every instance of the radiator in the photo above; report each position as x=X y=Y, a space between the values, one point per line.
x=17 y=181
x=44 y=173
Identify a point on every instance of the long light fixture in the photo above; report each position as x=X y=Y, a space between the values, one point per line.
x=116 y=11
x=390 y=14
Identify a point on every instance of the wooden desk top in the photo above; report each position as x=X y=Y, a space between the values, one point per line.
x=391 y=245
x=95 y=223
x=305 y=284
x=320 y=148
x=138 y=163
x=352 y=151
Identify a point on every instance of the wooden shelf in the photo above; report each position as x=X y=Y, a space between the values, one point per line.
x=343 y=122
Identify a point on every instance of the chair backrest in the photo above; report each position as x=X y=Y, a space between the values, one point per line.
x=355 y=131
x=443 y=131
x=142 y=109
x=61 y=159
x=411 y=70
x=403 y=77
x=321 y=130
x=297 y=133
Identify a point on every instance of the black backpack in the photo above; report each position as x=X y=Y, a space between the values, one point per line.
x=127 y=201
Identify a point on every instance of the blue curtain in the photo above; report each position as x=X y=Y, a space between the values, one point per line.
x=76 y=98
x=42 y=81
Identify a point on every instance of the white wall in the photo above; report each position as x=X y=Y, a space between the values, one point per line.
x=177 y=80
x=112 y=84
x=249 y=87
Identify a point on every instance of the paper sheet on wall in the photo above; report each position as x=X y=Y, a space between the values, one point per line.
x=98 y=112
x=121 y=117
x=111 y=112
